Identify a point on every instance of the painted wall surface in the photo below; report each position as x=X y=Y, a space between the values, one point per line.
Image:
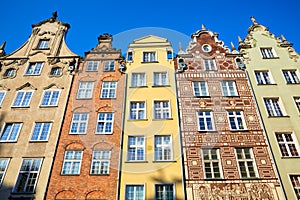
x=149 y=171
x=219 y=175
x=284 y=58
x=55 y=55
x=87 y=185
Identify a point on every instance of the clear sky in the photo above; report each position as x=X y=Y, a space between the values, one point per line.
x=128 y=20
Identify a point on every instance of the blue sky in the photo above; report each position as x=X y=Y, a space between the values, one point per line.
x=176 y=20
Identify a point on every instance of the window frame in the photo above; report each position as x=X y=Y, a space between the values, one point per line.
x=135 y=197
x=107 y=123
x=23 y=99
x=161 y=110
x=43 y=44
x=34 y=72
x=296 y=100
x=3 y=168
x=238 y=118
x=163 y=151
x=160 y=80
x=209 y=64
x=274 y=107
x=205 y=117
x=268 y=52
x=53 y=71
x=41 y=132
x=40 y=160
x=137 y=110
x=229 y=88
x=51 y=97
x=136 y=148
x=2 y=96
x=138 y=79
x=102 y=160
x=107 y=65
x=92 y=66
x=79 y=122
x=86 y=90
x=295 y=187
x=246 y=163
x=287 y=145
x=291 y=76
x=72 y=161
x=108 y=88
x=164 y=191
x=264 y=77
x=198 y=85
x=10 y=73
x=147 y=56
x=211 y=161
x=11 y=130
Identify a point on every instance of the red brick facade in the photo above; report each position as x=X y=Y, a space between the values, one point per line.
x=86 y=185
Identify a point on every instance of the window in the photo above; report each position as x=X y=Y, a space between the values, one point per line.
x=205 y=121
x=72 y=162
x=210 y=64
x=85 y=90
x=211 y=163
x=79 y=123
x=295 y=179
x=129 y=56
x=28 y=175
x=267 y=53
x=287 y=144
x=92 y=66
x=108 y=89
x=263 y=77
x=43 y=44
x=138 y=80
x=135 y=192
x=169 y=55
x=136 y=148
x=200 y=88
x=291 y=76
x=41 y=131
x=11 y=72
x=109 y=65
x=2 y=95
x=3 y=167
x=105 y=123
x=10 y=132
x=22 y=99
x=50 y=98
x=160 y=78
x=206 y=48
x=229 y=88
x=164 y=192
x=296 y=99
x=236 y=120
x=162 y=110
x=34 y=68
x=100 y=162
x=273 y=107
x=246 y=163
x=55 y=71
x=137 y=110
x=163 y=148
x=149 y=56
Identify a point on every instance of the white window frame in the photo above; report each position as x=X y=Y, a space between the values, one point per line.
x=160 y=79
x=3 y=167
x=137 y=110
x=79 y=123
x=149 y=56
x=108 y=88
x=246 y=162
x=36 y=68
x=296 y=187
x=18 y=130
x=56 y=71
x=291 y=76
x=100 y=162
x=274 y=107
x=11 y=72
x=268 y=52
x=107 y=121
x=229 y=88
x=109 y=65
x=238 y=119
x=297 y=102
x=28 y=169
x=205 y=116
x=24 y=99
x=52 y=100
x=211 y=161
x=138 y=79
x=72 y=160
x=85 y=90
x=160 y=111
x=43 y=44
x=164 y=190
x=163 y=151
x=209 y=64
x=263 y=77
x=92 y=66
x=200 y=88
x=135 y=194
x=136 y=147
x=289 y=141
x=41 y=131
x=2 y=96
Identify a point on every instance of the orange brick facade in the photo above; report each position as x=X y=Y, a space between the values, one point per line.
x=86 y=185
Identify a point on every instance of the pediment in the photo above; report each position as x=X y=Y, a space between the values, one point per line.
x=27 y=86
x=150 y=39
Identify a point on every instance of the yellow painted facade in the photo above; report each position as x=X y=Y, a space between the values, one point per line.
x=151 y=88
x=267 y=58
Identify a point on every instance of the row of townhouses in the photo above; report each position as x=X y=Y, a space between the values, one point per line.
x=206 y=123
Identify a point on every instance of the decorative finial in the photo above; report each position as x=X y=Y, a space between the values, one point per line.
x=240 y=39
x=180 y=46
x=54 y=15
x=203 y=27
x=253 y=20
x=3 y=45
x=2 y=52
x=283 y=38
x=232 y=46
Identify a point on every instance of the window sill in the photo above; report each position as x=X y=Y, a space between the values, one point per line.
x=266 y=84
x=103 y=133
x=163 y=161
x=136 y=161
x=202 y=96
x=90 y=98
x=70 y=174
x=92 y=71
x=49 y=106
x=244 y=130
x=271 y=58
x=161 y=85
x=232 y=96
x=143 y=86
x=137 y=120
x=109 y=70
x=32 y=74
x=254 y=178
x=143 y=62
x=284 y=116
x=8 y=141
x=77 y=133
x=99 y=174
x=293 y=83
x=102 y=98
x=290 y=157
x=38 y=141
x=41 y=49
x=25 y=107
x=162 y=119
x=214 y=179
x=207 y=131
